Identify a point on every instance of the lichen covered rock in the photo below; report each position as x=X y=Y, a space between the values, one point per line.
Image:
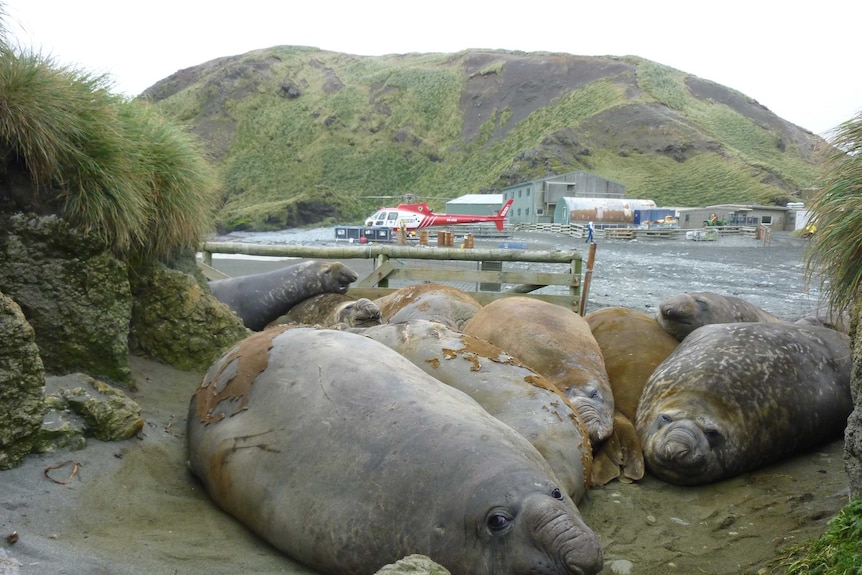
x=178 y=322
x=853 y=435
x=413 y=565
x=22 y=379
x=107 y=413
x=73 y=292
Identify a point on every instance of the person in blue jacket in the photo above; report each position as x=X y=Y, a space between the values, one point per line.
x=589 y=233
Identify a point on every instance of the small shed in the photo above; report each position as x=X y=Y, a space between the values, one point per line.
x=476 y=204
x=750 y=215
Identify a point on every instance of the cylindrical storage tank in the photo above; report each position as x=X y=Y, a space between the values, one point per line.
x=599 y=210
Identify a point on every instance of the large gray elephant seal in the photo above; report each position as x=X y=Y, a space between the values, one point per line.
x=557 y=343
x=347 y=457
x=258 y=299
x=437 y=302
x=681 y=314
x=332 y=310
x=507 y=389
x=735 y=397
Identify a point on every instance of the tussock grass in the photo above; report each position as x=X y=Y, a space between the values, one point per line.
x=109 y=165
x=835 y=253
x=837 y=552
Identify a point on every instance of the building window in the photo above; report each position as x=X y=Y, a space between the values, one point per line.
x=766 y=220
x=519 y=193
x=527 y=212
x=519 y=211
x=528 y=192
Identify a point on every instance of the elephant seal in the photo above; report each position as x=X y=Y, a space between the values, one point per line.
x=507 y=389
x=556 y=343
x=737 y=396
x=633 y=344
x=438 y=302
x=258 y=299
x=683 y=313
x=347 y=457
x=332 y=310
x=620 y=456
x=839 y=321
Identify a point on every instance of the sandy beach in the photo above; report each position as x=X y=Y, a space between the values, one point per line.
x=132 y=507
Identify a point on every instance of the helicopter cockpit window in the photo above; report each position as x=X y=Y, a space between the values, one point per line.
x=392 y=216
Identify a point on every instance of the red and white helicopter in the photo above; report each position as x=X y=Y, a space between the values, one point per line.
x=412 y=217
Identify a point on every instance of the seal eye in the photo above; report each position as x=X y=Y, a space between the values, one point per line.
x=557 y=494
x=713 y=436
x=498 y=521
x=664 y=419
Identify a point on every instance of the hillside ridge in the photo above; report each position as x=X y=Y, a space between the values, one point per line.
x=306 y=136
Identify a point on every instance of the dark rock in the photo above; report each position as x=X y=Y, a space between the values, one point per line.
x=73 y=292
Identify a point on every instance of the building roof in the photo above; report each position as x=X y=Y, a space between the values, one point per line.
x=478 y=199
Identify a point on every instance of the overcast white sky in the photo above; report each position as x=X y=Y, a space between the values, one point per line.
x=799 y=59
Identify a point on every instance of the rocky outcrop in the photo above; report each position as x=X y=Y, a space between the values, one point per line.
x=73 y=292
x=853 y=435
x=413 y=565
x=80 y=407
x=22 y=379
x=178 y=322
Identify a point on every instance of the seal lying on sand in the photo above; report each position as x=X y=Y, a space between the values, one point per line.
x=683 y=313
x=438 y=302
x=258 y=299
x=332 y=310
x=507 y=389
x=734 y=397
x=347 y=457
x=633 y=344
x=557 y=343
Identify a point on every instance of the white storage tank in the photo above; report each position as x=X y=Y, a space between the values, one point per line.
x=599 y=210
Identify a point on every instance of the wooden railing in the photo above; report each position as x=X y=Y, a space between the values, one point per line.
x=487 y=274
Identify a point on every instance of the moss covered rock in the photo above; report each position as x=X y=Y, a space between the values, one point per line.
x=22 y=379
x=178 y=322
x=73 y=292
x=853 y=435
x=108 y=413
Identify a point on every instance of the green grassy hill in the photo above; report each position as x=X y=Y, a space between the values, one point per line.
x=305 y=136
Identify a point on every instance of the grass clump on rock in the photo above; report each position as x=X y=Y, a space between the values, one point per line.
x=106 y=164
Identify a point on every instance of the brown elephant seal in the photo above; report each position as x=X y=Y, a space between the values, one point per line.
x=507 y=389
x=620 y=456
x=332 y=310
x=258 y=299
x=633 y=344
x=558 y=344
x=735 y=397
x=347 y=457
x=437 y=302
x=683 y=313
